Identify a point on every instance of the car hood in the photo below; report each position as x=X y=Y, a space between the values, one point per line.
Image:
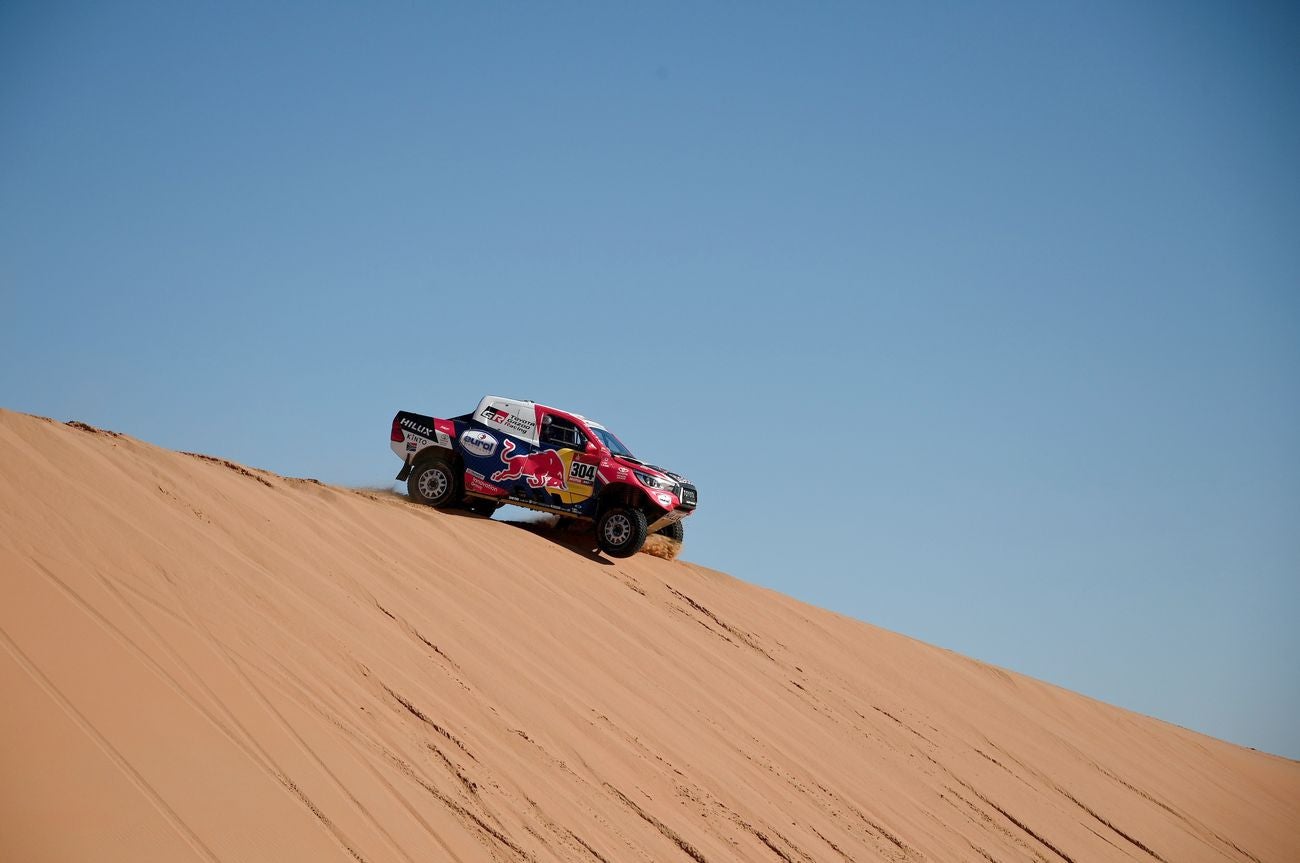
x=646 y=467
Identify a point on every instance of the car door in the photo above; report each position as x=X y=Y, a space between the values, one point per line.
x=566 y=447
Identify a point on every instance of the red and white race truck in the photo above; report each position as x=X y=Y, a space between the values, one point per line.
x=539 y=457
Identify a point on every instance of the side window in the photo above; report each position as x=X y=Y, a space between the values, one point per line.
x=557 y=432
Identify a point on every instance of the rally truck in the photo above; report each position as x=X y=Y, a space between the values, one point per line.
x=512 y=451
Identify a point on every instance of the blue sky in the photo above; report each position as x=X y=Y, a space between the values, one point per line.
x=980 y=322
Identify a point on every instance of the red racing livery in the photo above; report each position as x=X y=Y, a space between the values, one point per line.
x=531 y=455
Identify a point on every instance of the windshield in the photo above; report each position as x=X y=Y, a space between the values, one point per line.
x=615 y=445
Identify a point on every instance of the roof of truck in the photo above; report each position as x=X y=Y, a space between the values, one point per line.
x=588 y=420
x=519 y=416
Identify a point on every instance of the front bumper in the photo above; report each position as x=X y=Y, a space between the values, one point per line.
x=688 y=496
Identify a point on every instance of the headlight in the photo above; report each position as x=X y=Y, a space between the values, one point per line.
x=653 y=481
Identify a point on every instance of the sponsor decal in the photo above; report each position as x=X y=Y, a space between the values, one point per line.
x=566 y=478
x=478 y=443
x=419 y=434
x=542 y=469
x=505 y=419
x=582 y=473
x=418 y=428
x=475 y=483
x=533 y=503
x=664 y=500
x=622 y=473
x=415 y=440
x=410 y=447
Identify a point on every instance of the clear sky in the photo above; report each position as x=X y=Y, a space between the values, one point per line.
x=979 y=322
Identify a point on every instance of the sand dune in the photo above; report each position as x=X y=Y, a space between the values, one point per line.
x=206 y=662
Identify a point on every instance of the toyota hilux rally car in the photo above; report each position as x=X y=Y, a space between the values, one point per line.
x=530 y=455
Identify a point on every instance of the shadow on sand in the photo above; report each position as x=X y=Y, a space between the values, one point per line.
x=575 y=536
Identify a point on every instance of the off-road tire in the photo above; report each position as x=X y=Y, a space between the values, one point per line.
x=434 y=482
x=621 y=531
x=675 y=531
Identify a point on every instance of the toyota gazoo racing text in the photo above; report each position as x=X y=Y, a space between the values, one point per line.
x=530 y=455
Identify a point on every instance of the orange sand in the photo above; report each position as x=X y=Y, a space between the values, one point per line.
x=205 y=662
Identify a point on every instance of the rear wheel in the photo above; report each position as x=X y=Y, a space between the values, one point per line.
x=434 y=483
x=621 y=531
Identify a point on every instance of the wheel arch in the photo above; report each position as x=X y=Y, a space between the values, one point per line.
x=432 y=453
x=623 y=494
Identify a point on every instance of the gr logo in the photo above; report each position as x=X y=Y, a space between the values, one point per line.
x=583 y=474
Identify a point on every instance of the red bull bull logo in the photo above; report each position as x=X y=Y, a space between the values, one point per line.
x=542 y=469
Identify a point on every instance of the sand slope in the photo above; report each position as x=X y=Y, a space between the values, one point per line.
x=204 y=662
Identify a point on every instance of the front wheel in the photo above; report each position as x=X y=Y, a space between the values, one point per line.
x=621 y=531
x=675 y=531
x=433 y=483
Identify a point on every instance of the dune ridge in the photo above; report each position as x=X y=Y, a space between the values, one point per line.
x=204 y=661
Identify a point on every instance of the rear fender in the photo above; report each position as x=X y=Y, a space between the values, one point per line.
x=413 y=433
